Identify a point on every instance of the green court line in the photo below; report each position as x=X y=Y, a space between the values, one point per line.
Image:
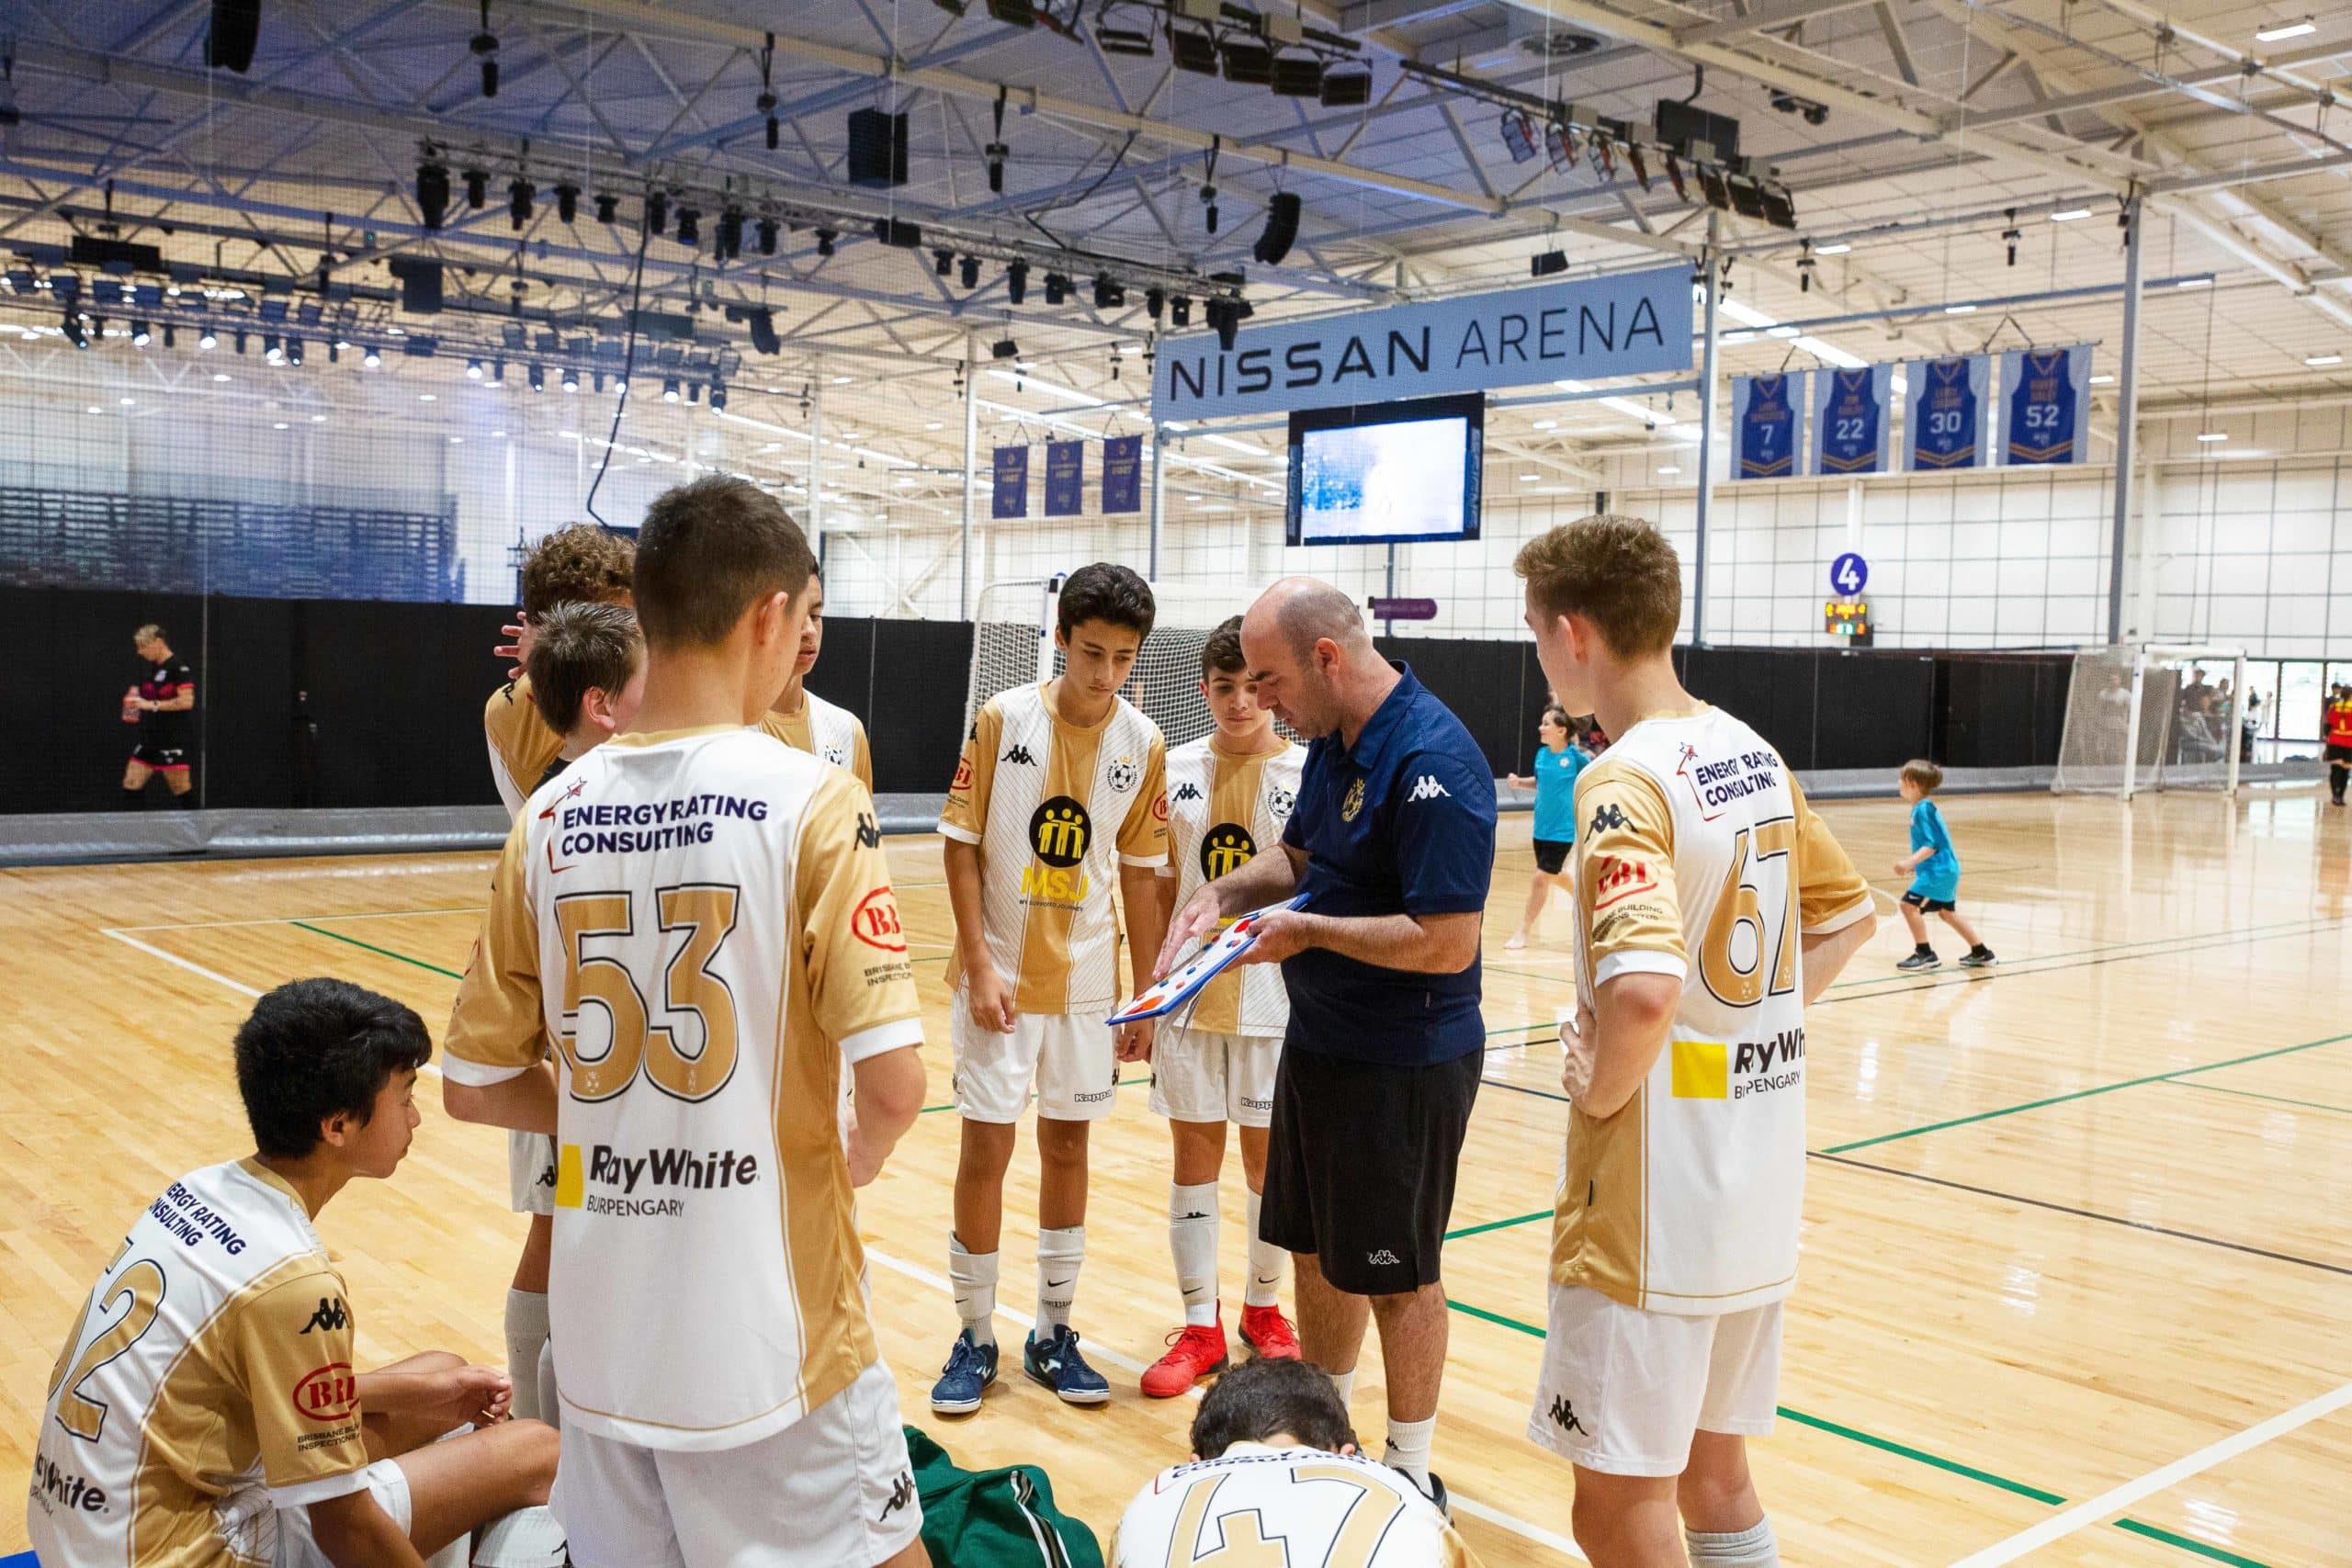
x=1921 y=1456
x=1498 y=1224
x=384 y=952
x=2080 y=1094
x=2274 y=1098
x=2120 y=947
x=2187 y=1543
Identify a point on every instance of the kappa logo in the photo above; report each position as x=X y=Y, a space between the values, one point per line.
x=1187 y=791
x=1121 y=775
x=902 y=1492
x=329 y=1316
x=1425 y=788
x=1019 y=756
x=1563 y=1417
x=869 y=836
x=1383 y=1259
x=1607 y=818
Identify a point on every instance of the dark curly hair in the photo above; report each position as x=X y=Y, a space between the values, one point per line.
x=312 y=1049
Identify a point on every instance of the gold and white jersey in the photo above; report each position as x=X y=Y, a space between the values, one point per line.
x=207 y=1382
x=1255 y=1504
x=826 y=730
x=1044 y=800
x=1223 y=811
x=703 y=922
x=521 y=744
x=1698 y=857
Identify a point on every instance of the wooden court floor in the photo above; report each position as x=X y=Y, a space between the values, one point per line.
x=2077 y=1284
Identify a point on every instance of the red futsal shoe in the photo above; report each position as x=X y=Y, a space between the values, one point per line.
x=1194 y=1351
x=1266 y=1331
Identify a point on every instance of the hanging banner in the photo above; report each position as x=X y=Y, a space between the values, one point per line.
x=1949 y=398
x=1850 y=418
x=1012 y=498
x=1591 y=330
x=1064 y=477
x=1763 y=426
x=2045 y=405
x=1122 y=473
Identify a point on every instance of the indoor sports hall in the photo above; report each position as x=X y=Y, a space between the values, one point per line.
x=1984 y=362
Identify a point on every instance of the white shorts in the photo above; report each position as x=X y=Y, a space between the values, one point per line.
x=296 y=1547
x=1623 y=1390
x=1067 y=1058
x=530 y=1172
x=1200 y=1076
x=833 y=1489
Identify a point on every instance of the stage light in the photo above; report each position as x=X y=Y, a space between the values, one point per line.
x=1282 y=229
x=473 y=369
x=1192 y=49
x=970 y=273
x=693 y=392
x=1298 y=76
x=1543 y=264
x=1004 y=348
x=996 y=154
x=762 y=324
x=1109 y=292
x=139 y=336
x=570 y=380
x=669 y=389
x=767 y=230
x=484 y=45
x=76 y=334
x=1057 y=288
x=171 y=335
x=294 y=352
x=271 y=349
x=620 y=385
x=1155 y=301
x=433 y=193
x=567 y=202
x=1016 y=281
x=608 y=207
x=371 y=359
x=538 y=378
x=1247 y=60
x=518 y=200
x=1346 y=86
x=497 y=377
x=657 y=211
x=477 y=188
x=689 y=226
x=1180 y=311
x=943 y=262
x=718 y=396
x=730 y=234
x=208 y=338
x=825 y=238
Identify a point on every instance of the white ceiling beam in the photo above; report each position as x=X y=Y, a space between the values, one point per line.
x=1761 y=19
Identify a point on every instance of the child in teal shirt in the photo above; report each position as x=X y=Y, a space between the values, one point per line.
x=1933 y=866
x=1557 y=763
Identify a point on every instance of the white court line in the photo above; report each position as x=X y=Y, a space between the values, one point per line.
x=2114 y=1502
x=290 y=920
x=1477 y=1510
x=214 y=975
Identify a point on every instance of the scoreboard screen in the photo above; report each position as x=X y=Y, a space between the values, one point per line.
x=1847 y=618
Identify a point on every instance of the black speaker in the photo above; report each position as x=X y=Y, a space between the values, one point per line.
x=236 y=27
x=419 y=285
x=1282 y=229
x=877 y=148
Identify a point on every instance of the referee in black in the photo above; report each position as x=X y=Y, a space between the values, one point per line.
x=1393 y=842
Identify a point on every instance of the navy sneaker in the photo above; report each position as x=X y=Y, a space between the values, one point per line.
x=1056 y=1364
x=1435 y=1491
x=1919 y=961
x=969 y=1370
x=1978 y=957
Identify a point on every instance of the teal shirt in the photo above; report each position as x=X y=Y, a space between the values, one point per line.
x=1556 y=792
x=1938 y=876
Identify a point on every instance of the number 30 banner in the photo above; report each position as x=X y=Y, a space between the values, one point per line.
x=1948 y=399
x=1850 y=416
x=2045 y=405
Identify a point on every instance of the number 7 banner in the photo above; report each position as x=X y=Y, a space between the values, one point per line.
x=1850 y=415
x=1946 y=400
x=2045 y=405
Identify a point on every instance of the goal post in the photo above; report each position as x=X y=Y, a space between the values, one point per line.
x=2152 y=716
x=1013 y=643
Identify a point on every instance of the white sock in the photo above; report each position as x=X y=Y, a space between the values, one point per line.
x=526 y=1330
x=1345 y=1382
x=1060 y=1253
x=1267 y=1262
x=1409 y=1448
x=550 y=1397
x=974 y=1276
x=1751 y=1548
x=1193 y=1225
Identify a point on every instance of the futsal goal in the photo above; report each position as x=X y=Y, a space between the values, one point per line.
x=2152 y=716
x=1013 y=643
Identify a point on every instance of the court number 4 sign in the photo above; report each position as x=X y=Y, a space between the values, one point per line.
x=1849 y=573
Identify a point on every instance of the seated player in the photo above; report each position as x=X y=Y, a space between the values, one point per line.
x=1050 y=774
x=1228 y=792
x=1276 y=1478
x=581 y=564
x=204 y=1411
x=806 y=722
x=164 y=706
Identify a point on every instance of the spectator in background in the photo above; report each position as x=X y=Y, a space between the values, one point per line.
x=162 y=705
x=1553 y=776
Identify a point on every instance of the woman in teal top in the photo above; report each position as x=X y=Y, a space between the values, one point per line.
x=1557 y=762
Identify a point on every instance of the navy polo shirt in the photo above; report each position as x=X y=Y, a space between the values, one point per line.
x=1403 y=822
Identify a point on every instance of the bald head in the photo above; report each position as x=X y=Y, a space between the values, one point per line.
x=1312 y=656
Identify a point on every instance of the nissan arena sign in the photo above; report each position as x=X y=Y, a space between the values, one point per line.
x=1597 y=329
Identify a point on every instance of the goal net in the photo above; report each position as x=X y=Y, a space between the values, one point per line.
x=2152 y=716
x=1012 y=642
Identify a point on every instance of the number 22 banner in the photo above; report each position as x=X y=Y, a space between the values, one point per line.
x=1850 y=415
x=2045 y=405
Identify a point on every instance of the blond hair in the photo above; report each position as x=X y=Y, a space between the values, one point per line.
x=1617 y=573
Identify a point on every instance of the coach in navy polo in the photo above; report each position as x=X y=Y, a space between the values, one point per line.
x=1393 y=842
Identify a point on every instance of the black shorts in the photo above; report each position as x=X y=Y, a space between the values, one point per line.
x=162 y=759
x=1926 y=904
x=2339 y=754
x=1360 y=1166
x=1551 y=854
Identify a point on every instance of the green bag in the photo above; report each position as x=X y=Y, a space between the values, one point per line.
x=994 y=1519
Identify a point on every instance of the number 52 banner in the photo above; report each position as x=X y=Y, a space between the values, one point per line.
x=2045 y=405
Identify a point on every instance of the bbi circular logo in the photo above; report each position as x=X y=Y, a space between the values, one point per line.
x=874 y=921
x=328 y=1393
x=1060 y=830
x=1353 y=802
x=1226 y=849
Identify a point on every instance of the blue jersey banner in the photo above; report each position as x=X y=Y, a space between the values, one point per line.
x=2045 y=405
x=1123 y=474
x=1012 y=498
x=1850 y=416
x=1764 y=426
x=1064 y=477
x=1948 y=398
x=1593 y=329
